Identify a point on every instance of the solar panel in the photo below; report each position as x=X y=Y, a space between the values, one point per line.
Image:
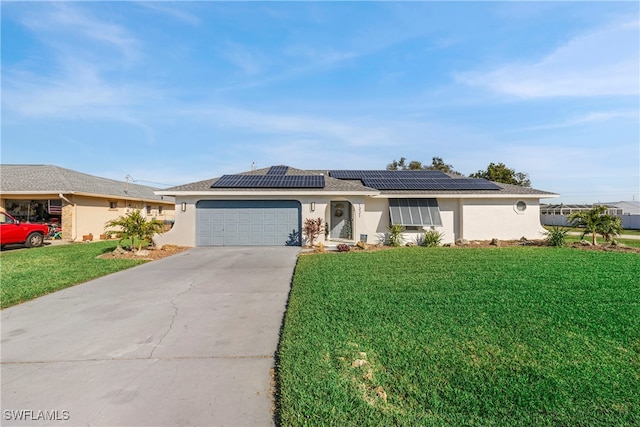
x=278 y=170
x=269 y=181
x=429 y=184
x=361 y=174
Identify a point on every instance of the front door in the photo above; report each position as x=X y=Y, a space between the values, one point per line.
x=341 y=226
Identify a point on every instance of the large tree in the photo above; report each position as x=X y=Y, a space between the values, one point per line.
x=597 y=221
x=501 y=173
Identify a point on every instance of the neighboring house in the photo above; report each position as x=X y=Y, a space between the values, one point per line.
x=269 y=206
x=80 y=203
x=558 y=214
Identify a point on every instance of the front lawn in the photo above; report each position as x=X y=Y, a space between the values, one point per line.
x=448 y=336
x=27 y=274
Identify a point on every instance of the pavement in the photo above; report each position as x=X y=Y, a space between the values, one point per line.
x=186 y=340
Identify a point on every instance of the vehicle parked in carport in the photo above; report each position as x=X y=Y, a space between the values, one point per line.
x=13 y=231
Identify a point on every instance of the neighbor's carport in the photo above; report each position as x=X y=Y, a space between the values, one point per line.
x=248 y=223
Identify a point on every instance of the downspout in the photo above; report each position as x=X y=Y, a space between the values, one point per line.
x=461 y=219
x=75 y=216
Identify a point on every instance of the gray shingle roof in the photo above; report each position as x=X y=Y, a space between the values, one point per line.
x=340 y=185
x=47 y=179
x=330 y=184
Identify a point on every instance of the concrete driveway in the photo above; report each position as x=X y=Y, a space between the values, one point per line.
x=187 y=340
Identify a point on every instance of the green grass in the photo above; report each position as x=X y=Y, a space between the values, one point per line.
x=27 y=274
x=491 y=337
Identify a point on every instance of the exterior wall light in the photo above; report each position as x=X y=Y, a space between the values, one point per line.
x=313 y=206
x=183 y=206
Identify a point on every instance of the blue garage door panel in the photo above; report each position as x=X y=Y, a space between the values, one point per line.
x=248 y=223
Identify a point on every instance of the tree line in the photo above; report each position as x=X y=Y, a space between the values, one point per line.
x=498 y=172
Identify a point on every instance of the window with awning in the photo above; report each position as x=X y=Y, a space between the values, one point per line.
x=415 y=212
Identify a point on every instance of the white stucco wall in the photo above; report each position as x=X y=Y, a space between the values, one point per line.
x=484 y=219
x=183 y=232
x=471 y=219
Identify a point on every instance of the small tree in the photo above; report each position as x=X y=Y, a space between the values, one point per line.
x=312 y=228
x=597 y=221
x=134 y=226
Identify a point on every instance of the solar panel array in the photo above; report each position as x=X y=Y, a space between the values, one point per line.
x=386 y=174
x=413 y=180
x=278 y=170
x=269 y=181
x=429 y=184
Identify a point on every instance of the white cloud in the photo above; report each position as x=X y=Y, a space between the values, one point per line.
x=178 y=14
x=75 y=83
x=294 y=126
x=585 y=119
x=604 y=62
x=54 y=20
x=245 y=59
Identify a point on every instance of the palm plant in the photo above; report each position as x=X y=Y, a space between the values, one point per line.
x=134 y=226
x=597 y=221
x=556 y=236
x=395 y=237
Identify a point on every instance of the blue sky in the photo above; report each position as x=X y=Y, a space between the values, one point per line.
x=176 y=92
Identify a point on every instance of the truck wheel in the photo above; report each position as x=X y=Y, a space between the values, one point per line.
x=34 y=240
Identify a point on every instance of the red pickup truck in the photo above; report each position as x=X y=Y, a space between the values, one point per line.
x=13 y=231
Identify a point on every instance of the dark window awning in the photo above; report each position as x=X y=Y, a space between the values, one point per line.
x=415 y=212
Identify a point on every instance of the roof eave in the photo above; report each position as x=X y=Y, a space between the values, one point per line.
x=266 y=193
x=80 y=193
x=36 y=193
x=467 y=196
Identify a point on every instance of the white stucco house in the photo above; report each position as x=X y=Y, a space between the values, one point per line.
x=268 y=207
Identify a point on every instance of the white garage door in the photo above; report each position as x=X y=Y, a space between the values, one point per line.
x=248 y=223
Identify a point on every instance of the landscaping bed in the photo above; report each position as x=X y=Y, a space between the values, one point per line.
x=149 y=254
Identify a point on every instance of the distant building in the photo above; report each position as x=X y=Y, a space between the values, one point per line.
x=628 y=208
x=557 y=214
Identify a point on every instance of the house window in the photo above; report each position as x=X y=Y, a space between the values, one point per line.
x=415 y=212
x=113 y=205
x=521 y=206
x=159 y=210
x=148 y=209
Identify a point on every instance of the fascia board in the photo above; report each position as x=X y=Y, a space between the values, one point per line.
x=264 y=193
x=34 y=193
x=467 y=196
x=75 y=193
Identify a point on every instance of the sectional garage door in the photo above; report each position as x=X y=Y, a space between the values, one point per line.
x=248 y=223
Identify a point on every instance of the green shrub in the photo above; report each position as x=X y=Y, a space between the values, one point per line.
x=395 y=238
x=431 y=239
x=556 y=236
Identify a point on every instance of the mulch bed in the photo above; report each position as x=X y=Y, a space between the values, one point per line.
x=151 y=255
x=502 y=243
